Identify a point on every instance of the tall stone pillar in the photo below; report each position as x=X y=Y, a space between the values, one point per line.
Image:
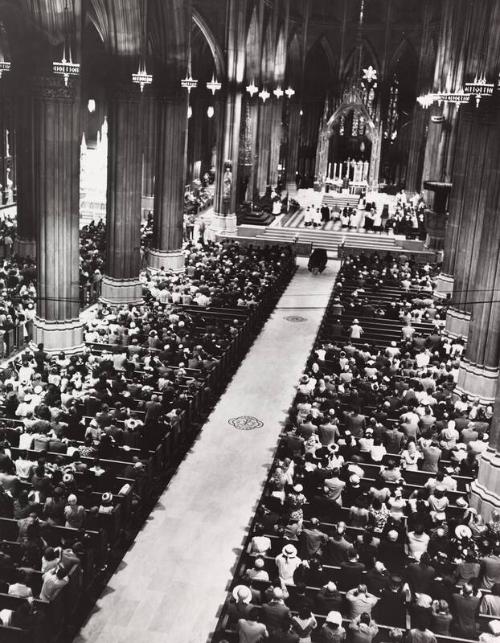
x=166 y=245
x=478 y=371
x=226 y=174
x=485 y=490
x=476 y=146
x=25 y=244
x=293 y=140
x=121 y=284
x=264 y=146
x=55 y=182
x=149 y=141
x=229 y=122
x=275 y=141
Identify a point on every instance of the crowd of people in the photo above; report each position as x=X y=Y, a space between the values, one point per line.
x=407 y=218
x=219 y=274
x=92 y=257
x=77 y=432
x=365 y=522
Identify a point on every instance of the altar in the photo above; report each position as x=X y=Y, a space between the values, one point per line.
x=349 y=177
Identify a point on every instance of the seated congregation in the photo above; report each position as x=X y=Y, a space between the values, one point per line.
x=364 y=531
x=88 y=441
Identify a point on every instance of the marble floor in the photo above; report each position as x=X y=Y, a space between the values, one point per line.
x=171 y=583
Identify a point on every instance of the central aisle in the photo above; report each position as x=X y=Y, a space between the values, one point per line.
x=171 y=583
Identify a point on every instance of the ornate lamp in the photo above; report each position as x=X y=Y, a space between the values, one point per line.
x=264 y=94
x=252 y=89
x=278 y=92
x=65 y=67
x=142 y=78
x=289 y=92
x=214 y=85
x=189 y=82
x=4 y=67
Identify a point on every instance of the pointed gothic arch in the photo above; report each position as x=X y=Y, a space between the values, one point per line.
x=253 y=48
x=215 y=48
x=351 y=59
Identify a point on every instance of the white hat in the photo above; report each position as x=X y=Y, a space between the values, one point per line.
x=461 y=502
x=462 y=531
x=494 y=626
x=289 y=551
x=242 y=593
x=334 y=617
x=355 y=321
x=354 y=479
x=107 y=497
x=298 y=488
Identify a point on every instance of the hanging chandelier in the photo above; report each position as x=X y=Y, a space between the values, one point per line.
x=4 y=67
x=214 y=85
x=65 y=67
x=289 y=92
x=189 y=82
x=264 y=94
x=478 y=89
x=278 y=92
x=142 y=78
x=252 y=89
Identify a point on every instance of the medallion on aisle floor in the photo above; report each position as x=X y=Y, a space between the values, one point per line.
x=295 y=318
x=245 y=423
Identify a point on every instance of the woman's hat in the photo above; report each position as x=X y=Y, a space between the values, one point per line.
x=242 y=593
x=462 y=531
x=289 y=551
x=334 y=617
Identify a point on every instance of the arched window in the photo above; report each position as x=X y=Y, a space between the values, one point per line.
x=368 y=94
x=391 y=122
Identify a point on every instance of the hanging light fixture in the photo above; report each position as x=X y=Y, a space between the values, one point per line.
x=479 y=89
x=214 y=85
x=252 y=89
x=289 y=92
x=65 y=67
x=264 y=94
x=210 y=111
x=189 y=82
x=278 y=92
x=142 y=78
x=4 y=66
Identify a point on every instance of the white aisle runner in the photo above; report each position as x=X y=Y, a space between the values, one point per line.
x=171 y=583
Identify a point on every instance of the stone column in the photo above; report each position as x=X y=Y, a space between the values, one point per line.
x=149 y=140
x=166 y=244
x=275 y=141
x=56 y=162
x=263 y=145
x=475 y=147
x=25 y=244
x=479 y=369
x=121 y=284
x=293 y=140
x=226 y=174
x=485 y=491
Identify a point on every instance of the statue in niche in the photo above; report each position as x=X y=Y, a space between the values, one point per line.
x=9 y=190
x=227 y=182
